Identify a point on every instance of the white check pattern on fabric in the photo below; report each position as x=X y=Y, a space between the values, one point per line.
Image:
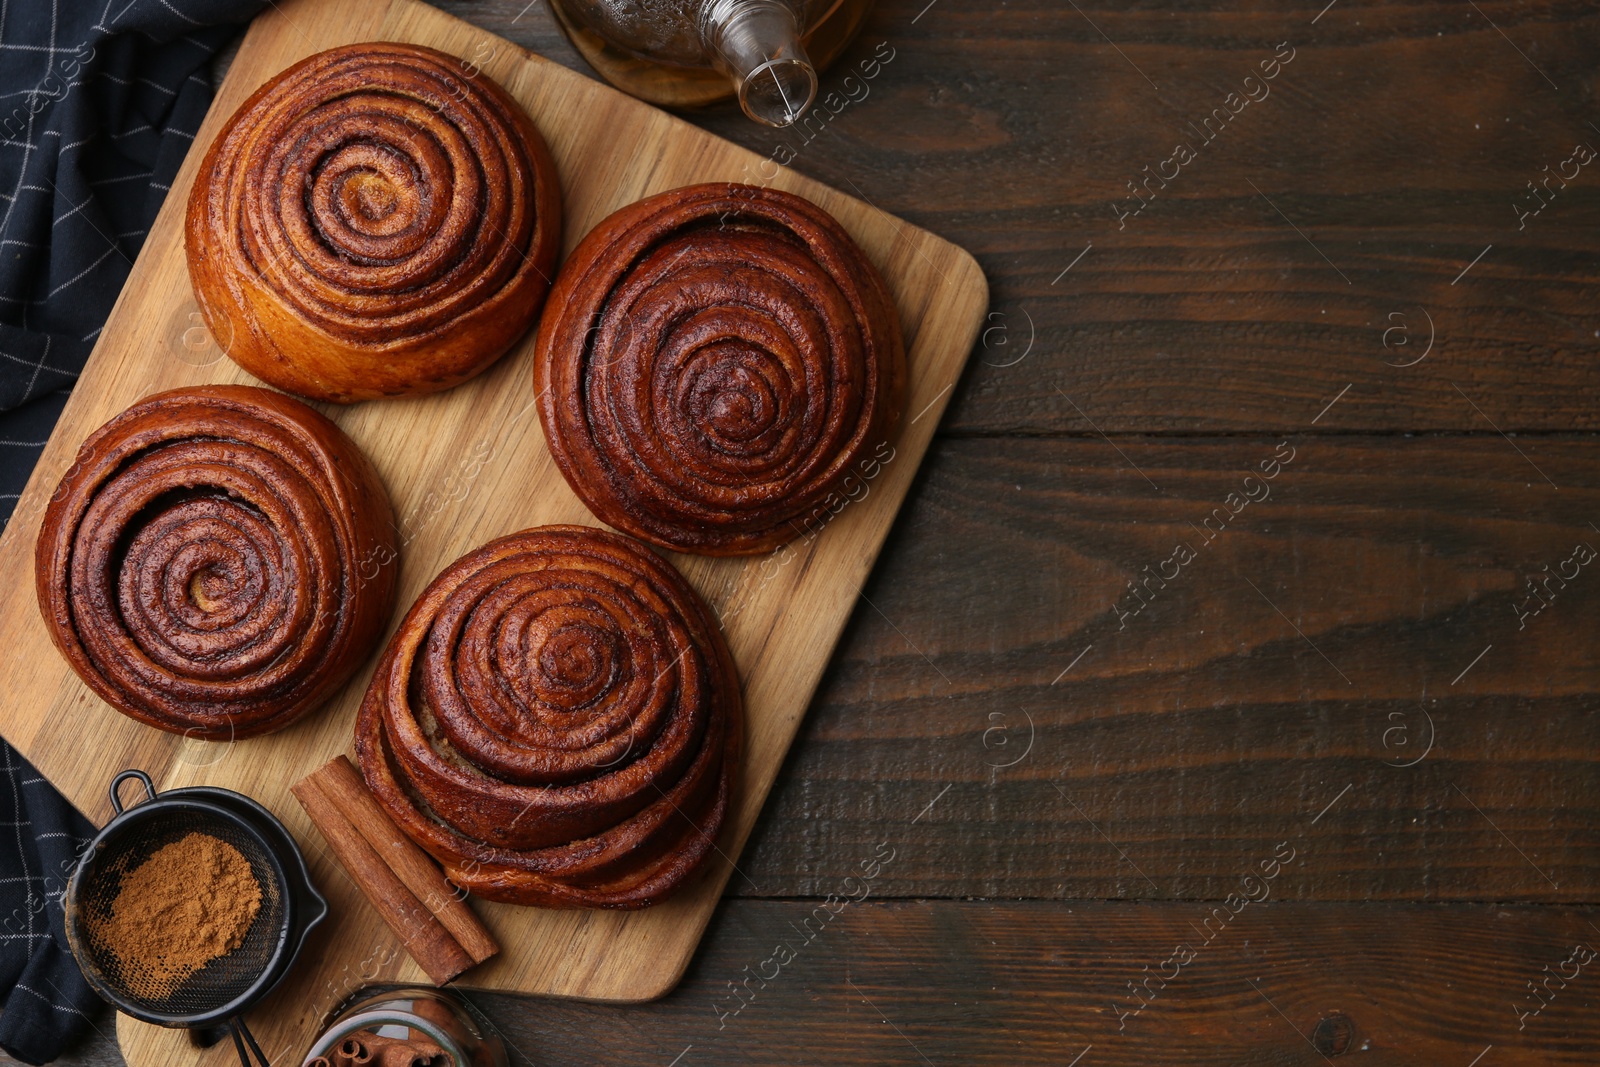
x=99 y=103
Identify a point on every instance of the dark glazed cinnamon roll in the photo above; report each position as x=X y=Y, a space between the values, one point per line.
x=379 y=219
x=716 y=360
x=216 y=563
x=557 y=721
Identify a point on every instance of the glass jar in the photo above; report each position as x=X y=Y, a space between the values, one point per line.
x=412 y=1012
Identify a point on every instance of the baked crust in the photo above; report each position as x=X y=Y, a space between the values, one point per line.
x=715 y=362
x=377 y=220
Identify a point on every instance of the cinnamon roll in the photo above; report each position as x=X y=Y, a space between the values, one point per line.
x=558 y=721
x=217 y=562
x=379 y=219
x=716 y=361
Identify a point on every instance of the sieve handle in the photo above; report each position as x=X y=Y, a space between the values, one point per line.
x=116 y=784
x=236 y=1027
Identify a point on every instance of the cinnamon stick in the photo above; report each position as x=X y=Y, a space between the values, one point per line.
x=362 y=844
x=367 y=1049
x=355 y=1052
x=404 y=1054
x=344 y=785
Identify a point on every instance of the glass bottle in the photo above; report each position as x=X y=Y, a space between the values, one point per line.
x=687 y=53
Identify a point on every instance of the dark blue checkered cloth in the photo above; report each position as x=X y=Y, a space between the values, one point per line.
x=99 y=102
x=46 y=1001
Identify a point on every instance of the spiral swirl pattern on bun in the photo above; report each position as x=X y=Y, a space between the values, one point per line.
x=716 y=360
x=557 y=721
x=216 y=561
x=379 y=219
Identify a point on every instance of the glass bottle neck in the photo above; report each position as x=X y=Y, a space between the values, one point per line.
x=757 y=44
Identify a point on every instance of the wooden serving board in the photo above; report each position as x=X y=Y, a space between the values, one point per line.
x=463 y=467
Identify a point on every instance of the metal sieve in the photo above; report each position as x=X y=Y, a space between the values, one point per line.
x=223 y=989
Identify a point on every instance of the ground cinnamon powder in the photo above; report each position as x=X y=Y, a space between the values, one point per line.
x=190 y=902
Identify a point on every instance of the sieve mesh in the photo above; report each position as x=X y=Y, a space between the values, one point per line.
x=219 y=982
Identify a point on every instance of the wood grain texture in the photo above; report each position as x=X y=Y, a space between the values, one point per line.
x=1038 y=983
x=1397 y=141
x=463 y=467
x=1208 y=727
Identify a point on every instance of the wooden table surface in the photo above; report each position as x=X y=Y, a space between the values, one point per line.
x=1200 y=710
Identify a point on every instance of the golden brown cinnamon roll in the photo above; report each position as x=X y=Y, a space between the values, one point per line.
x=379 y=219
x=557 y=721
x=716 y=360
x=217 y=562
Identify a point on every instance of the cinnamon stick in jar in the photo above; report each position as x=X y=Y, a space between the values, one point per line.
x=367 y=1049
x=355 y=1052
x=437 y=927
